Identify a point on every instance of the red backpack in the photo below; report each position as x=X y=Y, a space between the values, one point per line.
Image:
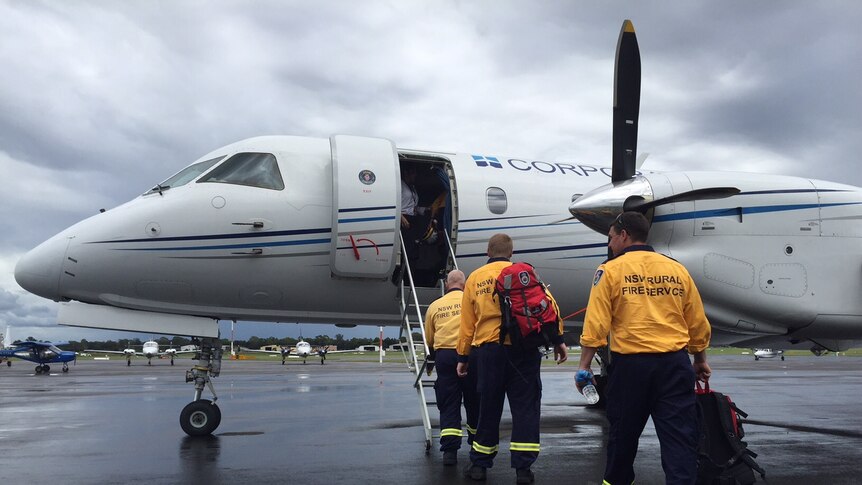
x=528 y=313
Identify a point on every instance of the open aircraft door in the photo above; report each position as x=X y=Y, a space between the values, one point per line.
x=366 y=182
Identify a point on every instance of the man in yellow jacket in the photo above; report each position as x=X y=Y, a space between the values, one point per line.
x=442 y=324
x=652 y=310
x=503 y=370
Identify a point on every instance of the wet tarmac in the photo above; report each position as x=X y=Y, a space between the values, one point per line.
x=349 y=422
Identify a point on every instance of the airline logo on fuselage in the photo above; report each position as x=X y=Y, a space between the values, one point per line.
x=486 y=161
x=483 y=161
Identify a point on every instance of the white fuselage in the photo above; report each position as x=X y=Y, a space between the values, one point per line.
x=781 y=259
x=767 y=353
x=303 y=349
x=150 y=349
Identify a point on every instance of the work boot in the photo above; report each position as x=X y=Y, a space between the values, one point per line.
x=475 y=472
x=450 y=458
x=524 y=475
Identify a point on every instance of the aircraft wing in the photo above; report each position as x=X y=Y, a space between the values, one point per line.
x=258 y=351
x=29 y=344
x=120 y=352
x=182 y=352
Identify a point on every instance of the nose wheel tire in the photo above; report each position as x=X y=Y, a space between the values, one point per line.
x=200 y=418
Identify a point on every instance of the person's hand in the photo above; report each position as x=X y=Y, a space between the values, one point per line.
x=429 y=368
x=461 y=369
x=404 y=222
x=580 y=384
x=561 y=353
x=702 y=370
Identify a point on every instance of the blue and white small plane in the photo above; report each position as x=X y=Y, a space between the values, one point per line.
x=42 y=353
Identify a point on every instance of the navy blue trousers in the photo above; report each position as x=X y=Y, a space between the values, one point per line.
x=449 y=389
x=507 y=371
x=660 y=386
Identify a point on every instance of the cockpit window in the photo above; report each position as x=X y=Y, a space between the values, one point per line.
x=186 y=175
x=253 y=169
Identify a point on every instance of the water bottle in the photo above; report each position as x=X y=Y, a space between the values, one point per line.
x=589 y=391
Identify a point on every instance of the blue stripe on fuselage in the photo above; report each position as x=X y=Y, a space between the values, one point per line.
x=543 y=250
x=734 y=211
x=360 y=209
x=207 y=237
x=235 y=246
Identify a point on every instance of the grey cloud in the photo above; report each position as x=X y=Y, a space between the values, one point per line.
x=104 y=99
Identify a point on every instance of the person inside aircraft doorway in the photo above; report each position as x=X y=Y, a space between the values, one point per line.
x=414 y=218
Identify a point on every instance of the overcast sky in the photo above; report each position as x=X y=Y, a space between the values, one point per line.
x=101 y=100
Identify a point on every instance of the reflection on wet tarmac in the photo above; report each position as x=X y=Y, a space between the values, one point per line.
x=359 y=422
x=199 y=459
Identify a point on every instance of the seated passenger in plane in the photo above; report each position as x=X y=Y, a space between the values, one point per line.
x=426 y=248
x=409 y=197
x=412 y=215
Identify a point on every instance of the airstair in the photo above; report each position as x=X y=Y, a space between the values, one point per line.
x=414 y=303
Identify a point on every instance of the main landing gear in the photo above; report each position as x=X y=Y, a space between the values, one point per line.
x=43 y=369
x=202 y=416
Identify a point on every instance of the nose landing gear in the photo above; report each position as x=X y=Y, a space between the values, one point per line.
x=202 y=416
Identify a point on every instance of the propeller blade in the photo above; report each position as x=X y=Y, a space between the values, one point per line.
x=640 y=205
x=627 y=95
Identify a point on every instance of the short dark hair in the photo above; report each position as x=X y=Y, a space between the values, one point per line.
x=500 y=246
x=634 y=223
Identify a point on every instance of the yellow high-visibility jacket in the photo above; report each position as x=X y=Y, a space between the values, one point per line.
x=443 y=320
x=648 y=303
x=480 y=309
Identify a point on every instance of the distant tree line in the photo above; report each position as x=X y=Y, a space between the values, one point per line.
x=252 y=343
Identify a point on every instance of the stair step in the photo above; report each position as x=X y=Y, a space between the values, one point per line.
x=425 y=294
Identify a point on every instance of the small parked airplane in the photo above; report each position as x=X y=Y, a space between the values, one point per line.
x=42 y=353
x=149 y=350
x=302 y=350
x=767 y=354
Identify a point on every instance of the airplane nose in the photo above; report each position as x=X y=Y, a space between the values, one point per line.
x=38 y=271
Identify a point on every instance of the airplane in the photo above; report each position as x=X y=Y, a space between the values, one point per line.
x=767 y=354
x=302 y=350
x=149 y=350
x=42 y=353
x=303 y=229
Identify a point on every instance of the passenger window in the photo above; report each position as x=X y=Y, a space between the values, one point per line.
x=186 y=175
x=252 y=169
x=497 y=202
